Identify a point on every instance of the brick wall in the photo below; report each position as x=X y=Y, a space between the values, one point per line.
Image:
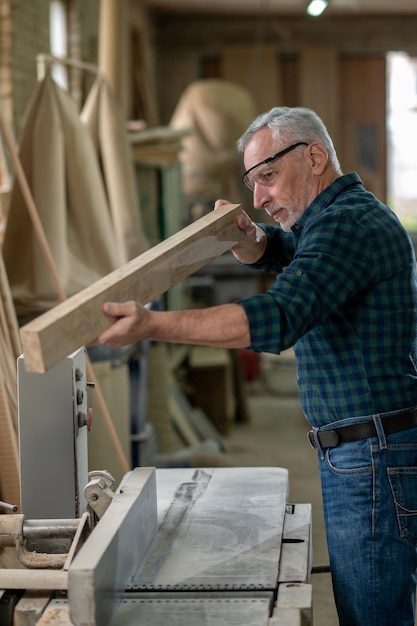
x=26 y=26
x=24 y=33
x=5 y=57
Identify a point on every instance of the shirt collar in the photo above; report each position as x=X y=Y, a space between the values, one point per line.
x=326 y=197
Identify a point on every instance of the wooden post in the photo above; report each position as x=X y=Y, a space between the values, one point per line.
x=112 y=47
x=319 y=85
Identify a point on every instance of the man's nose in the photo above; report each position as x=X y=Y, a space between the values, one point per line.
x=260 y=196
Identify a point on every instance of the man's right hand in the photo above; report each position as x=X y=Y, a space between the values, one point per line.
x=251 y=248
x=129 y=324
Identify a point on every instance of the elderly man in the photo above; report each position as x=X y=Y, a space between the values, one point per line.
x=345 y=297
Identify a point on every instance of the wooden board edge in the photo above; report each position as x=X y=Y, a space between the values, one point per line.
x=49 y=338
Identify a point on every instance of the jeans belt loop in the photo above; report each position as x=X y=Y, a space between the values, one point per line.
x=380 y=432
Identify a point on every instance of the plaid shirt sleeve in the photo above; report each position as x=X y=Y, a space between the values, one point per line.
x=345 y=298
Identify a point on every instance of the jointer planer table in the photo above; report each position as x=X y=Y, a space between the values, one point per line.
x=226 y=549
x=204 y=547
x=198 y=547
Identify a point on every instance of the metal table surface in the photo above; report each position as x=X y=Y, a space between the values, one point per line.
x=214 y=559
x=218 y=529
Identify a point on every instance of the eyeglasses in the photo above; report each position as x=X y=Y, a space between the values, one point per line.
x=265 y=179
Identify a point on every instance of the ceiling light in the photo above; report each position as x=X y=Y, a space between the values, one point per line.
x=317 y=7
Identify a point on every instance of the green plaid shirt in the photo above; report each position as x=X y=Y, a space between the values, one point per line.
x=346 y=298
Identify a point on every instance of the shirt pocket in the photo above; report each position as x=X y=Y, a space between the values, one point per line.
x=403 y=484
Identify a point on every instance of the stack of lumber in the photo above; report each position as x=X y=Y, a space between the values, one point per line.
x=9 y=351
x=158 y=146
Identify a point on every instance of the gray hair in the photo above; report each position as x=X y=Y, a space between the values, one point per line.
x=293 y=124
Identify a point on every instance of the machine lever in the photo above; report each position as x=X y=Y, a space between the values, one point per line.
x=9 y=507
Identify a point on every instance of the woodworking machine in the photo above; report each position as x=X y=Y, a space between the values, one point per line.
x=198 y=547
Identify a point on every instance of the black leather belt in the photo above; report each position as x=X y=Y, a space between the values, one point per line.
x=354 y=432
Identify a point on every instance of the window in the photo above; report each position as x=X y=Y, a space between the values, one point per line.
x=401 y=135
x=59 y=40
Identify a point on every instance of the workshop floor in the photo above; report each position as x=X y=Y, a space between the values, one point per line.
x=275 y=435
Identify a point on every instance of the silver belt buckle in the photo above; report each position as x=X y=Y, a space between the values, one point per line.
x=310 y=437
x=326 y=438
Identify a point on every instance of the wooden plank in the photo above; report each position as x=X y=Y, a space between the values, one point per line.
x=30 y=608
x=57 y=613
x=162 y=134
x=9 y=350
x=9 y=452
x=183 y=426
x=319 y=87
x=8 y=314
x=363 y=140
x=256 y=68
x=40 y=579
x=79 y=320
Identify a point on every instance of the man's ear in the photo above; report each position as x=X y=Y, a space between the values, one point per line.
x=318 y=156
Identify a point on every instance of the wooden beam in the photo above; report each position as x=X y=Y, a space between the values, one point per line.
x=319 y=65
x=40 y=579
x=112 y=49
x=79 y=320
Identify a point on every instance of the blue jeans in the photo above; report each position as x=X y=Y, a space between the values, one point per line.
x=370 y=510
